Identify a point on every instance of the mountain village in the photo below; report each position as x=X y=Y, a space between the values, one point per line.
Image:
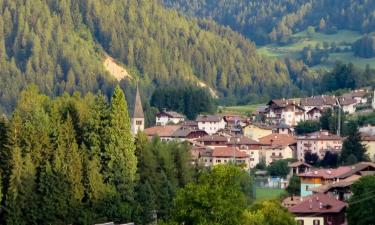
x=269 y=135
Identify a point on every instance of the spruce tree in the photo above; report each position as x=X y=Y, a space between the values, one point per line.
x=120 y=160
x=68 y=162
x=352 y=149
x=145 y=207
x=21 y=198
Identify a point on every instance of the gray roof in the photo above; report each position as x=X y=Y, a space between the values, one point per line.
x=138 y=109
x=184 y=132
x=209 y=118
x=171 y=114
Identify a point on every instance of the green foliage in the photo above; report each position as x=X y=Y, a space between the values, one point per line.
x=269 y=21
x=365 y=47
x=268 y=213
x=72 y=160
x=352 y=149
x=279 y=168
x=294 y=186
x=218 y=198
x=307 y=126
x=361 y=210
x=119 y=147
x=311 y=158
x=60 y=46
x=189 y=100
x=346 y=76
x=330 y=160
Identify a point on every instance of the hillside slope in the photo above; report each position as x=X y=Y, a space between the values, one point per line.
x=58 y=44
x=267 y=21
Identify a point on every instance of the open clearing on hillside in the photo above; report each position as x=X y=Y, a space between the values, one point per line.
x=240 y=109
x=343 y=39
x=267 y=193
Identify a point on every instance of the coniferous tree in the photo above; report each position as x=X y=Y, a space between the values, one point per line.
x=119 y=160
x=352 y=149
x=146 y=206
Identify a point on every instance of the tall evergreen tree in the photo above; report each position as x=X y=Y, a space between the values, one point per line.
x=120 y=162
x=352 y=149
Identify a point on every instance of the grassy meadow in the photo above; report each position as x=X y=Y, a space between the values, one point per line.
x=342 y=38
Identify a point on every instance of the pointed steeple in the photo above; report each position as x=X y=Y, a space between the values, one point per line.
x=138 y=109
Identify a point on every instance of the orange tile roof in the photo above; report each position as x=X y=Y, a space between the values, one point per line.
x=278 y=139
x=228 y=152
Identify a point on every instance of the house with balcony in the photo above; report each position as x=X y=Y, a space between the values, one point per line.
x=322 y=102
x=318 y=142
x=277 y=146
x=318 y=177
x=321 y=180
x=224 y=155
x=319 y=209
x=314 y=113
x=169 y=117
x=348 y=105
x=210 y=123
x=286 y=111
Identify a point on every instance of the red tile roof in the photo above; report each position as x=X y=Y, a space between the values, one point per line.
x=161 y=131
x=318 y=204
x=368 y=137
x=243 y=141
x=347 y=101
x=327 y=173
x=228 y=152
x=212 y=138
x=320 y=135
x=278 y=139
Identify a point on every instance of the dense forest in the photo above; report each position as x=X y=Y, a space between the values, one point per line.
x=266 y=21
x=73 y=160
x=60 y=46
x=365 y=47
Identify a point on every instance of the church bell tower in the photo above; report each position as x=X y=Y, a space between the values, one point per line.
x=138 y=118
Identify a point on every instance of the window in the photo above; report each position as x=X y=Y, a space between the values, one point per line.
x=316 y=222
x=300 y=222
x=218 y=161
x=307 y=187
x=138 y=122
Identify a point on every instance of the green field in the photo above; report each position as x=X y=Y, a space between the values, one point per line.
x=302 y=40
x=242 y=109
x=268 y=194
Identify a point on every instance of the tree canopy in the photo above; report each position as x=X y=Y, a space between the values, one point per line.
x=73 y=160
x=361 y=210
